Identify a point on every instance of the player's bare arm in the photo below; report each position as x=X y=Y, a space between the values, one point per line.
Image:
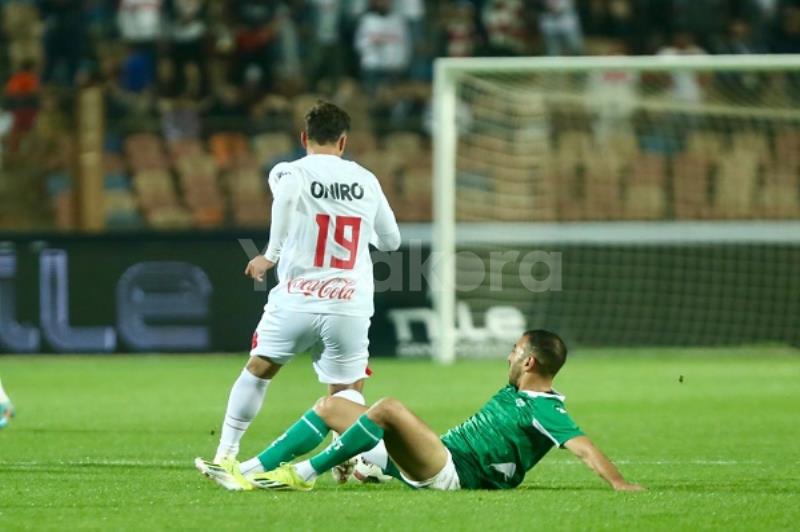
x=583 y=448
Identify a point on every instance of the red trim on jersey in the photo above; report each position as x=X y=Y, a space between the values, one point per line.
x=254 y=341
x=368 y=372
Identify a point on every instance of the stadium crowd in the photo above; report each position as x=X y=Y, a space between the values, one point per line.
x=189 y=69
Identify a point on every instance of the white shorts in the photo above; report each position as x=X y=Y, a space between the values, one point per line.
x=343 y=360
x=444 y=480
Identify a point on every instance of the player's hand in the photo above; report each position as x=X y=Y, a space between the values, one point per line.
x=257 y=267
x=627 y=486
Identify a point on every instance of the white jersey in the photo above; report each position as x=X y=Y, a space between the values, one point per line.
x=325 y=213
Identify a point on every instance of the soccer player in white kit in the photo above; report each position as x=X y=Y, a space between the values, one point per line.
x=6 y=408
x=325 y=213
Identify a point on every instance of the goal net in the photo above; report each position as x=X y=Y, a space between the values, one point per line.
x=616 y=200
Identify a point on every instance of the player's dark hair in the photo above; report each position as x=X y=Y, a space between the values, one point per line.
x=325 y=123
x=548 y=349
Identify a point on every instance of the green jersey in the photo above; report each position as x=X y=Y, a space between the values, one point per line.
x=513 y=431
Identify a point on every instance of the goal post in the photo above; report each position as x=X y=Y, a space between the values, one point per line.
x=444 y=218
x=626 y=151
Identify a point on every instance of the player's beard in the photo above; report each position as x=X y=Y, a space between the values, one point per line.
x=514 y=371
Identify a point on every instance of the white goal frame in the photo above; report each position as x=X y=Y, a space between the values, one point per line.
x=447 y=74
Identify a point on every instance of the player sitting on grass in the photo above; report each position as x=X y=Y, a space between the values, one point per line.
x=6 y=408
x=491 y=450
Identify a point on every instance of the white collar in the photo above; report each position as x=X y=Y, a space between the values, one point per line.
x=554 y=394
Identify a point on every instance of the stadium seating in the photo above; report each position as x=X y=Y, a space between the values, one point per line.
x=602 y=189
x=228 y=148
x=736 y=184
x=249 y=202
x=646 y=198
x=709 y=175
x=691 y=184
x=269 y=147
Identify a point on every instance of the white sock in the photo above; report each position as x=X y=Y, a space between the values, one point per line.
x=3 y=397
x=378 y=455
x=305 y=470
x=244 y=403
x=352 y=395
x=251 y=466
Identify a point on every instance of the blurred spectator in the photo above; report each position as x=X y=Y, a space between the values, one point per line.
x=787 y=41
x=6 y=122
x=187 y=34
x=786 y=38
x=651 y=23
x=413 y=12
x=355 y=8
x=504 y=23
x=460 y=33
x=703 y=19
x=291 y=19
x=614 y=98
x=760 y=14
x=740 y=86
x=181 y=109
x=22 y=100
x=139 y=21
x=252 y=90
x=256 y=35
x=325 y=55
x=22 y=31
x=64 y=36
x=685 y=85
x=137 y=71
x=226 y=109
x=99 y=19
x=166 y=79
x=382 y=42
x=560 y=28
x=739 y=40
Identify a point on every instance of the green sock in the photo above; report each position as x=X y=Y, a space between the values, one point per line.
x=300 y=438
x=362 y=436
x=392 y=470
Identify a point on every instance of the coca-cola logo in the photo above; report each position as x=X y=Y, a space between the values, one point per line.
x=333 y=288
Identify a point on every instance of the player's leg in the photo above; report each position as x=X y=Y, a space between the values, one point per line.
x=278 y=337
x=244 y=402
x=328 y=413
x=343 y=366
x=411 y=444
x=6 y=408
x=358 y=386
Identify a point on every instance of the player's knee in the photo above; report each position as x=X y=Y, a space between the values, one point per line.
x=383 y=411
x=262 y=367
x=324 y=406
x=333 y=389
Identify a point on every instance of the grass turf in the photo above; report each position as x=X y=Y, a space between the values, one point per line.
x=108 y=443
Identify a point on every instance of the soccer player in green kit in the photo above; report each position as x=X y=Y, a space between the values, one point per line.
x=493 y=449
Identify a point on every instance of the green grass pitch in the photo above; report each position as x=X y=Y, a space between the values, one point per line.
x=107 y=443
